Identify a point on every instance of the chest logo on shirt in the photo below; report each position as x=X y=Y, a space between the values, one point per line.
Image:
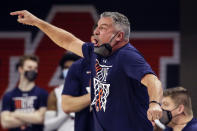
x=101 y=87
x=24 y=104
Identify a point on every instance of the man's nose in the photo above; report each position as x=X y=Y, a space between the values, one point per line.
x=96 y=31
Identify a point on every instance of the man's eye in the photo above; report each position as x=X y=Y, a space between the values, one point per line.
x=102 y=28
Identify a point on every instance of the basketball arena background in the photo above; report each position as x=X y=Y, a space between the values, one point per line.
x=155 y=33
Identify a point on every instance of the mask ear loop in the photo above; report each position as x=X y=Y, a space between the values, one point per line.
x=113 y=39
x=108 y=46
x=173 y=110
x=176 y=116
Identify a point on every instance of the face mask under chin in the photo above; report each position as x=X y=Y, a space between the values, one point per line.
x=104 y=50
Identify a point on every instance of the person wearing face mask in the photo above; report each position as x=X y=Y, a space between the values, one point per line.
x=55 y=118
x=125 y=92
x=23 y=108
x=178 y=103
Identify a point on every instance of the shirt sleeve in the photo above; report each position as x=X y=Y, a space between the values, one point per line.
x=6 y=103
x=72 y=82
x=135 y=66
x=43 y=98
x=87 y=50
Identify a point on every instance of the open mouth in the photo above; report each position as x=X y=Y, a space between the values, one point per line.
x=96 y=42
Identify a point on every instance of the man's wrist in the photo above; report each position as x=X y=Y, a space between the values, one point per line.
x=156 y=102
x=38 y=22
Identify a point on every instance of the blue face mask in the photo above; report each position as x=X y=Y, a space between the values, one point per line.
x=65 y=72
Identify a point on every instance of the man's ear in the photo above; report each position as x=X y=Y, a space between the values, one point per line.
x=181 y=108
x=20 y=69
x=120 y=36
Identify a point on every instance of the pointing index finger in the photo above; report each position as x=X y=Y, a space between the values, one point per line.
x=17 y=13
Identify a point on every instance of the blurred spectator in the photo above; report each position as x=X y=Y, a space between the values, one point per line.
x=76 y=95
x=55 y=118
x=24 y=107
x=178 y=102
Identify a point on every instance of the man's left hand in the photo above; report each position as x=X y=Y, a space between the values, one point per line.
x=154 y=112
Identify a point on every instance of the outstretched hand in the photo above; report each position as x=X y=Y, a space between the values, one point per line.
x=26 y=17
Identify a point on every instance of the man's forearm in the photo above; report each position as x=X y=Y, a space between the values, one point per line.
x=75 y=104
x=32 y=118
x=9 y=121
x=154 y=87
x=155 y=91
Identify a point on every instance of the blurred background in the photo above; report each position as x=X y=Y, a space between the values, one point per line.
x=164 y=31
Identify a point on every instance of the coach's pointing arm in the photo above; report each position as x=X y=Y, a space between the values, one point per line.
x=61 y=37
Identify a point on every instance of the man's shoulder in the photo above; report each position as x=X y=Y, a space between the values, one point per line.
x=192 y=125
x=129 y=53
x=40 y=90
x=75 y=67
x=80 y=64
x=128 y=49
x=128 y=46
x=11 y=92
x=194 y=120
